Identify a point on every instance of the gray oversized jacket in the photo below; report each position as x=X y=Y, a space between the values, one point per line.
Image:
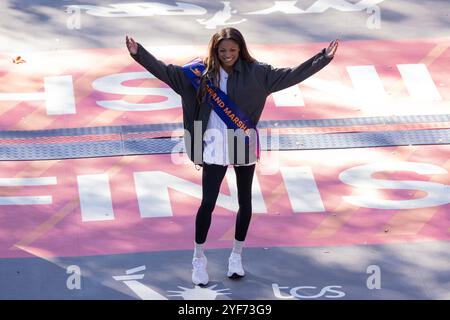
x=248 y=86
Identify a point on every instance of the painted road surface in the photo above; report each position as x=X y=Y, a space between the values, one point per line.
x=354 y=220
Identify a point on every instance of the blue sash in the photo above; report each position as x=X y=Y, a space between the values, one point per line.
x=227 y=110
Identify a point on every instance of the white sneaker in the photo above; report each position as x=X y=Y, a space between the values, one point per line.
x=235 y=269
x=199 y=274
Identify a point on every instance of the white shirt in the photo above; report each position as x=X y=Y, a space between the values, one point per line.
x=215 y=149
x=215 y=146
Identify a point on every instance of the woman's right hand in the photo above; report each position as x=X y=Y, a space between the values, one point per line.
x=131 y=45
x=331 y=50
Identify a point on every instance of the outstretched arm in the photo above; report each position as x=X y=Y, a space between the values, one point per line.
x=281 y=78
x=170 y=74
x=131 y=45
x=332 y=47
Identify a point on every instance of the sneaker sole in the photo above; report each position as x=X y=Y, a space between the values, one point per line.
x=235 y=276
x=201 y=284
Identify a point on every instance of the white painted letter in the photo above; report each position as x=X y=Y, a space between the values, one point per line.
x=95 y=197
x=287 y=7
x=418 y=81
x=361 y=177
x=289 y=97
x=152 y=189
x=141 y=9
x=26 y=200
x=113 y=84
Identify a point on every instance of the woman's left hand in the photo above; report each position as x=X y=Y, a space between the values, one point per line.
x=329 y=52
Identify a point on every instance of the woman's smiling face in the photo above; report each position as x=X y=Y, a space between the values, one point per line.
x=228 y=52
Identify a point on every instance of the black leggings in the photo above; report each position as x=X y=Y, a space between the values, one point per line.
x=211 y=180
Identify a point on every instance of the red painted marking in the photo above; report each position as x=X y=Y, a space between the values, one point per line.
x=61 y=139
x=86 y=66
x=280 y=226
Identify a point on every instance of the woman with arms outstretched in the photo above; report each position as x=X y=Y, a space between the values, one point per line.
x=224 y=96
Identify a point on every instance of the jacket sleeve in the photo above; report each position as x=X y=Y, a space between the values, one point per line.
x=281 y=78
x=170 y=74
